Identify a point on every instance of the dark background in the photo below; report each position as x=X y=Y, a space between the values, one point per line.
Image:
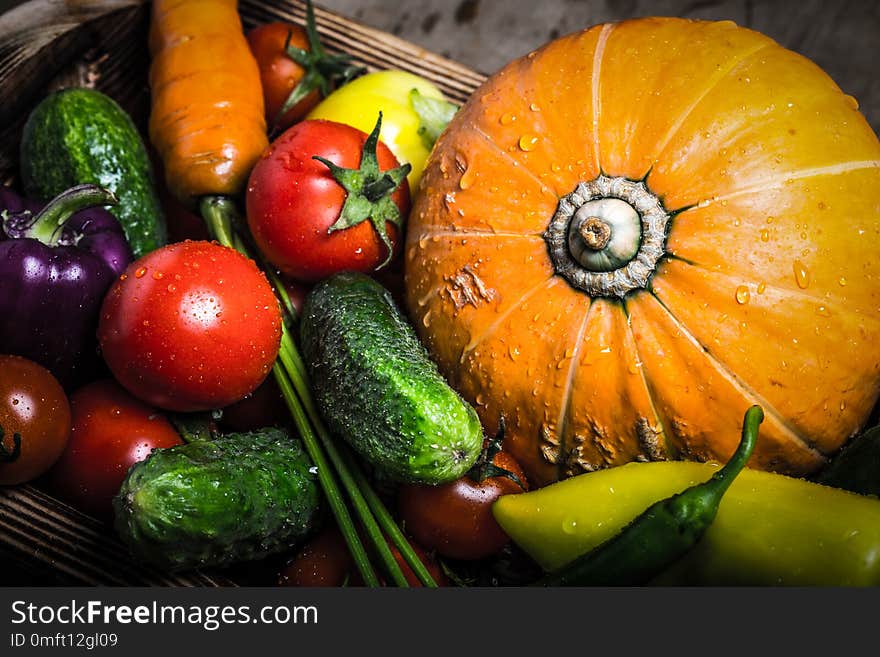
x=842 y=36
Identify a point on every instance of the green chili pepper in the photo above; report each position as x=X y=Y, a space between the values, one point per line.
x=663 y=533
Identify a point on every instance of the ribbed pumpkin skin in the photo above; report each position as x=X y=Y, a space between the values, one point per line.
x=768 y=293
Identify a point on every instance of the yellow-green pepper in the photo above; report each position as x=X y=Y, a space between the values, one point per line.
x=769 y=530
x=359 y=102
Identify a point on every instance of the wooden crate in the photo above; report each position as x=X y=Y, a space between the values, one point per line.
x=47 y=44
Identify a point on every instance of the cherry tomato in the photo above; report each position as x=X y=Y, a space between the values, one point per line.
x=293 y=201
x=191 y=326
x=111 y=431
x=279 y=73
x=34 y=420
x=455 y=518
x=326 y=561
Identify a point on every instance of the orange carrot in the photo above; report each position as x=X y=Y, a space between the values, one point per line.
x=207 y=120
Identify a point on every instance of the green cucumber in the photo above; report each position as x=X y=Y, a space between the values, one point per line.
x=377 y=388
x=213 y=503
x=79 y=136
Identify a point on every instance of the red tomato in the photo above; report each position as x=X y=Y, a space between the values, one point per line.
x=111 y=431
x=293 y=200
x=455 y=518
x=279 y=74
x=33 y=408
x=326 y=561
x=191 y=326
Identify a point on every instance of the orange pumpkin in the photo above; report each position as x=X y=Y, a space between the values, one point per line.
x=629 y=236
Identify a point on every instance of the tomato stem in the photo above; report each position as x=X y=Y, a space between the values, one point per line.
x=323 y=71
x=8 y=456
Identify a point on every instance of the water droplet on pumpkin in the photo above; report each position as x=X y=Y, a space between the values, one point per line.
x=761 y=287
x=426 y=320
x=528 y=142
x=742 y=294
x=801 y=274
x=467 y=179
x=507 y=118
x=534 y=107
x=765 y=235
x=140 y=272
x=852 y=102
x=841 y=281
x=823 y=311
x=569 y=526
x=513 y=352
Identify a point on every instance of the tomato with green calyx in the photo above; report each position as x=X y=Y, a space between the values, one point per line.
x=455 y=518
x=414 y=113
x=295 y=70
x=110 y=432
x=193 y=326
x=34 y=420
x=327 y=198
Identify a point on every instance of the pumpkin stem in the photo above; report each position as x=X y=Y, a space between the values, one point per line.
x=595 y=233
x=607 y=236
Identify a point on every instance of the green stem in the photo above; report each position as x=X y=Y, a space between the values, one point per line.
x=52 y=217
x=390 y=526
x=219 y=214
x=326 y=479
x=293 y=366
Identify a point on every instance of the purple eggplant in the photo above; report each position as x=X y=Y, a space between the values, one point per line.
x=57 y=261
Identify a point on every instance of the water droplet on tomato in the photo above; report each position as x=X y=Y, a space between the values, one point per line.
x=140 y=272
x=157 y=275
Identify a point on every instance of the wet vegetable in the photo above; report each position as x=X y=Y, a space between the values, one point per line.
x=627 y=236
x=327 y=198
x=192 y=326
x=661 y=534
x=237 y=498
x=295 y=70
x=770 y=529
x=56 y=263
x=390 y=92
x=34 y=420
x=76 y=136
x=207 y=117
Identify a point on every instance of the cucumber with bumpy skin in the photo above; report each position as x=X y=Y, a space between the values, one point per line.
x=218 y=502
x=76 y=136
x=377 y=388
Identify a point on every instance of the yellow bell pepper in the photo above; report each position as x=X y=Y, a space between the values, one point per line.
x=770 y=529
x=359 y=102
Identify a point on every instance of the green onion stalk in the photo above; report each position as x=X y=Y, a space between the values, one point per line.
x=337 y=468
